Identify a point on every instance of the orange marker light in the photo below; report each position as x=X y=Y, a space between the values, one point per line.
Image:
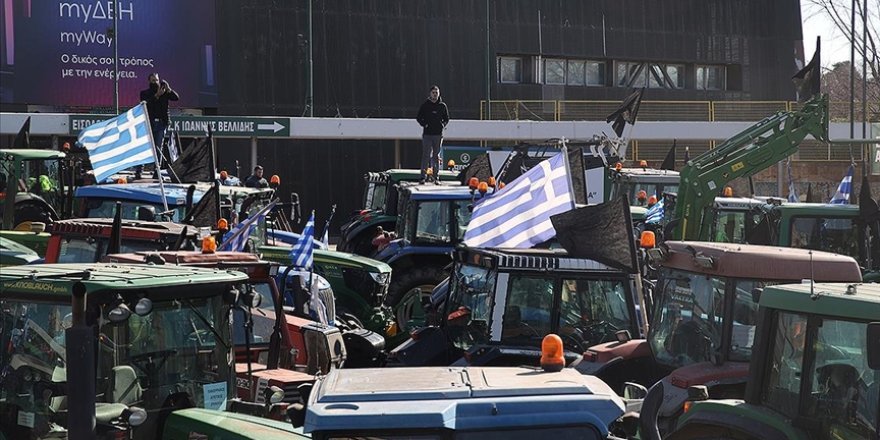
x=275 y=180
x=648 y=240
x=483 y=187
x=491 y=181
x=451 y=164
x=618 y=166
x=473 y=183
x=209 y=245
x=552 y=358
x=687 y=406
x=728 y=191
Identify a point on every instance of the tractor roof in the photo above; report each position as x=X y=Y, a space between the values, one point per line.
x=528 y=259
x=438 y=192
x=103 y=226
x=759 y=262
x=55 y=281
x=31 y=154
x=844 y=300
x=403 y=175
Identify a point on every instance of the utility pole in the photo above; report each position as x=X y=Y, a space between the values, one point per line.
x=116 y=57
x=488 y=69
x=310 y=100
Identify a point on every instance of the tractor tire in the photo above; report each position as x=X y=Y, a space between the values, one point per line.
x=405 y=304
x=29 y=211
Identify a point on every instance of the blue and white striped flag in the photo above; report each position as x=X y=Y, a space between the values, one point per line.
x=792 y=189
x=518 y=216
x=654 y=215
x=237 y=238
x=841 y=197
x=301 y=254
x=119 y=143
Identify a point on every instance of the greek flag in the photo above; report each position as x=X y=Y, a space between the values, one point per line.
x=841 y=197
x=654 y=215
x=518 y=216
x=792 y=189
x=237 y=238
x=301 y=254
x=119 y=143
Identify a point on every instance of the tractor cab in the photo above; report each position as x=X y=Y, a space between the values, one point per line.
x=502 y=302
x=32 y=181
x=639 y=184
x=705 y=316
x=120 y=346
x=432 y=220
x=272 y=347
x=379 y=208
x=87 y=240
x=814 y=371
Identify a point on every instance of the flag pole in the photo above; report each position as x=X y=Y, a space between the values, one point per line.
x=564 y=151
x=155 y=157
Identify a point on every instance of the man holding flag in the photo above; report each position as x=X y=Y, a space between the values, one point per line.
x=119 y=143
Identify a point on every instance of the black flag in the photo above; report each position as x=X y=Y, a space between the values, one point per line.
x=808 y=80
x=207 y=211
x=868 y=209
x=669 y=161
x=479 y=168
x=627 y=112
x=196 y=162
x=810 y=198
x=578 y=176
x=23 y=138
x=601 y=232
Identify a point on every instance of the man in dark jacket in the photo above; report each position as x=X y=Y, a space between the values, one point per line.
x=256 y=180
x=433 y=117
x=157 y=97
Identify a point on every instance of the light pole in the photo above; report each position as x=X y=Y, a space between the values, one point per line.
x=115 y=32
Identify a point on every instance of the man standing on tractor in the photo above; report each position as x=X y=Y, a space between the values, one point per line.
x=157 y=96
x=433 y=117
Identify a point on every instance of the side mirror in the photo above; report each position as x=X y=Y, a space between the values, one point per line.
x=873 y=341
x=698 y=393
x=634 y=391
x=143 y=307
x=119 y=313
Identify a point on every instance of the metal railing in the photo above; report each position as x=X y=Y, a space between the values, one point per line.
x=734 y=111
x=702 y=111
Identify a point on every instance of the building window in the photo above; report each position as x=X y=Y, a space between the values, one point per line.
x=595 y=73
x=554 y=71
x=575 y=73
x=651 y=75
x=510 y=70
x=710 y=77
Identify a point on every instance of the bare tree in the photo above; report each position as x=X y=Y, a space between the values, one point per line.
x=839 y=12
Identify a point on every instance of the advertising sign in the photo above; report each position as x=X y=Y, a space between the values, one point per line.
x=61 y=53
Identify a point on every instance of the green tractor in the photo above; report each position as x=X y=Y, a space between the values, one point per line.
x=35 y=182
x=814 y=373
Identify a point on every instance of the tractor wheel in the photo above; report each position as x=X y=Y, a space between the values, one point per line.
x=33 y=212
x=362 y=245
x=402 y=297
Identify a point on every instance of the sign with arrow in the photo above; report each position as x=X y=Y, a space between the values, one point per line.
x=195 y=126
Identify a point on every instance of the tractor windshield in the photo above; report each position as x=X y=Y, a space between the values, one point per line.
x=90 y=249
x=181 y=346
x=470 y=306
x=651 y=189
x=691 y=314
x=843 y=392
x=437 y=222
x=102 y=208
x=374 y=196
x=837 y=235
x=31 y=350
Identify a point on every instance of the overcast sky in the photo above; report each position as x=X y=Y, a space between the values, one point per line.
x=835 y=47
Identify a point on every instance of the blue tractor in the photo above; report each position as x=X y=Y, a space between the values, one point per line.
x=431 y=221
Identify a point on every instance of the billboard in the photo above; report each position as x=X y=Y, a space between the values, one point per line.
x=61 y=53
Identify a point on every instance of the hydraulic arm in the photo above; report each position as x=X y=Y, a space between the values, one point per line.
x=749 y=152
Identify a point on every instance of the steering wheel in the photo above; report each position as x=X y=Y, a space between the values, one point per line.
x=597 y=332
x=575 y=342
